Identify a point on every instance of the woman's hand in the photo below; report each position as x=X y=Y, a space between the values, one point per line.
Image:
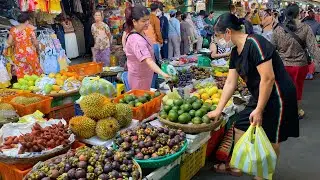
x=214 y=114
x=256 y=117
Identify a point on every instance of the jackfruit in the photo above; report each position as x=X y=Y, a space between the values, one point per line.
x=83 y=127
x=6 y=106
x=123 y=114
x=107 y=128
x=92 y=105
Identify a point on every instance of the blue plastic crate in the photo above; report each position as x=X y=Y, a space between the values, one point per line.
x=77 y=110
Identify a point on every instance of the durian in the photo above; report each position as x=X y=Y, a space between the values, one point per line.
x=107 y=128
x=25 y=100
x=92 y=105
x=82 y=126
x=123 y=114
x=6 y=106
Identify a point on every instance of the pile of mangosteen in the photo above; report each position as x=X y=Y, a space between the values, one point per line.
x=88 y=163
x=146 y=141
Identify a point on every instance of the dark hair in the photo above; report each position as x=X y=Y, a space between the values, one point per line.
x=247 y=14
x=202 y=13
x=311 y=15
x=23 y=17
x=154 y=7
x=134 y=13
x=291 y=13
x=211 y=12
x=255 y=11
x=178 y=13
x=98 y=11
x=227 y=21
x=173 y=15
x=184 y=16
x=268 y=11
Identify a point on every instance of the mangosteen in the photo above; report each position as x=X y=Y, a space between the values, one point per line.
x=125 y=161
x=172 y=133
x=148 y=144
x=45 y=178
x=80 y=173
x=115 y=173
x=82 y=164
x=130 y=162
x=125 y=174
x=120 y=149
x=165 y=130
x=177 y=136
x=103 y=177
x=141 y=144
x=157 y=146
x=131 y=153
x=124 y=167
x=182 y=134
x=130 y=167
x=115 y=165
x=109 y=153
x=146 y=157
x=107 y=168
x=134 y=138
x=125 y=146
x=119 y=140
x=54 y=174
x=127 y=139
x=67 y=167
x=57 y=160
x=72 y=173
x=139 y=156
x=143 y=125
x=154 y=155
x=160 y=129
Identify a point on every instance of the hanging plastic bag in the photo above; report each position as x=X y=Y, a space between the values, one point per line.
x=97 y=85
x=254 y=154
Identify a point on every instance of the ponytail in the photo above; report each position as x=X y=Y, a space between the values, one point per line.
x=129 y=19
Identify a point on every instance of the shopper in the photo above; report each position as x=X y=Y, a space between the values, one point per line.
x=102 y=39
x=219 y=50
x=210 y=19
x=267 y=24
x=174 y=35
x=247 y=23
x=154 y=32
x=24 y=41
x=256 y=22
x=292 y=53
x=273 y=104
x=164 y=26
x=139 y=50
x=185 y=35
x=199 y=23
x=310 y=20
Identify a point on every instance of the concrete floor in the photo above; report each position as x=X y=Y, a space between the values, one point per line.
x=300 y=157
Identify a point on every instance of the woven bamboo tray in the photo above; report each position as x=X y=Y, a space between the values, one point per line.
x=64 y=94
x=35 y=167
x=36 y=158
x=192 y=128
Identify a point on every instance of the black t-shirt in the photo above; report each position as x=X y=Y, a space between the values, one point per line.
x=256 y=51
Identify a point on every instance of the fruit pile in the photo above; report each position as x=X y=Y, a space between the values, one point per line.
x=7 y=114
x=209 y=95
x=101 y=117
x=26 y=83
x=39 y=139
x=146 y=141
x=185 y=78
x=191 y=110
x=199 y=73
x=88 y=163
x=25 y=100
x=221 y=71
x=134 y=101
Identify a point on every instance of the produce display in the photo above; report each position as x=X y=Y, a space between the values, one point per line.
x=147 y=142
x=210 y=95
x=88 y=163
x=38 y=139
x=184 y=111
x=220 y=71
x=199 y=73
x=135 y=101
x=49 y=84
x=101 y=118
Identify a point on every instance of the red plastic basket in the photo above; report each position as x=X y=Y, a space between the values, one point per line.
x=86 y=69
x=147 y=109
x=44 y=105
x=65 y=112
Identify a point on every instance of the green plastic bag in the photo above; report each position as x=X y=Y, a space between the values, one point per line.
x=254 y=154
x=97 y=85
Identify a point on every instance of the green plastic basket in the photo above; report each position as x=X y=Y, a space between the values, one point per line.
x=160 y=161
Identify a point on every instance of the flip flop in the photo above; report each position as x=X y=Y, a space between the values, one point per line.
x=226 y=170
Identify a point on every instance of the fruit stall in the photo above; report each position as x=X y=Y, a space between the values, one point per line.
x=78 y=124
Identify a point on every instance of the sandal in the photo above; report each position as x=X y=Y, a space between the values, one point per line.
x=224 y=169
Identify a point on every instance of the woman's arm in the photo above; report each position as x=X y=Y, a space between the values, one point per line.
x=228 y=89
x=155 y=68
x=266 y=83
x=35 y=41
x=214 y=54
x=124 y=36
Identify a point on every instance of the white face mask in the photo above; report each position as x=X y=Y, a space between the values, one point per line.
x=159 y=13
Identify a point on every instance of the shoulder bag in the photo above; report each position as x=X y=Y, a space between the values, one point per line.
x=302 y=44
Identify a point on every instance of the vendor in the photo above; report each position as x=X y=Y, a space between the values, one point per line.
x=25 y=43
x=139 y=50
x=219 y=50
x=273 y=104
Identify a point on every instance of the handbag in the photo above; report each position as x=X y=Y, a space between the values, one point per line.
x=302 y=44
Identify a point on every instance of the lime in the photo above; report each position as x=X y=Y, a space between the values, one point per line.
x=184 y=118
x=192 y=113
x=196 y=105
x=157 y=93
x=213 y=107
x=167 y=108
x=206 y=119
x=180 y=112
x=173 y=116
x=176 y=108
x=178 y=102
x=186 y=107
x=196 y=120
x=199 y=113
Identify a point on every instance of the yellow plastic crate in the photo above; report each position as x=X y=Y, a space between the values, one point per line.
x=192 y=163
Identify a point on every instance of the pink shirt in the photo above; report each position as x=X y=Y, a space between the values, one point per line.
x=139 y=73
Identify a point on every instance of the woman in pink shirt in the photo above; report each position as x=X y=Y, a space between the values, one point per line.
x=139 y=50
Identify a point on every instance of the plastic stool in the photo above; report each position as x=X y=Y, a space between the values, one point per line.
x=120 y=89
x=124 y=78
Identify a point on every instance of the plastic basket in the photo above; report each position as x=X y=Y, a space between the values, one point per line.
x=147 y=109
x=44 y=105
x=65 y=112
x=163 y=160
x=77 y=110
x=192 y=163
x=86 y=69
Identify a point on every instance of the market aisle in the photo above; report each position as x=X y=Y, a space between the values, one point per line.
x=299 y=159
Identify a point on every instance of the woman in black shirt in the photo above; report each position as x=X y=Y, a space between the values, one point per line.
x=273 y=104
